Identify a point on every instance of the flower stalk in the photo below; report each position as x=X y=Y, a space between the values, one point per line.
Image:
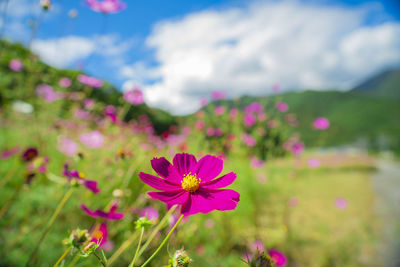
x=138 y=247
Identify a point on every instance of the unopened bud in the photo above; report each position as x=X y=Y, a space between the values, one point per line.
x=45 y=4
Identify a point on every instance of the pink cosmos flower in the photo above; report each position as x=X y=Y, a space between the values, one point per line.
x=257 y=246
x=39 y=164
x=93 y=139
x=80 y=178
x=217 y=95
x=233 y=113
x=254 y=107
x=82 y=114
x=112 y=215
x=209 y=223
x=321 y=123
x=68 y=146
x=89 y=103
x=106 y=6
x=256 y=163
x=297 y=148
x=150 y=213
x=248 y=140
x=203 y=102
x=313 y=163
x=218 y=132
x=100 y=234
x=282 y=106
x=90 y=81
x=16 y=65
x=249 y=119
x=341 y=203
x=210 y=131
x=134 y=96
x=5 y=154
x=65 y=82
x=46 y=92
x=110 y=112
x=278 y=257
x=219 y=110
x=191 y=184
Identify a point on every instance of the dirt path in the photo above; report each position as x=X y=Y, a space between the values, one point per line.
x=386 y=183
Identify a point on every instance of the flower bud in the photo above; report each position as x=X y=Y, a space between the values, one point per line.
x=45 y=4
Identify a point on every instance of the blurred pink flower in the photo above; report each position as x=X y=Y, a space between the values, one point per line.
x=293 y=202
x=249 y=119
x=150 y=213
x=210 y=131
x=110 y=112
x=5 y=154
x=313 y=162
x=219 y=110
x=203 y=102
x=272 y=124
x=233 y=113
x=261 y=179
x=217 y=95
x=93 y=139
x=106 y=6
x=321 y=123
x=297 y=148
x=209 y=223
x=68 y=146
x=256 y=163
x=341 y=203
x=16 y=65
x=82 y=114
x=90 y=81
x=254 y=107
x=248 y=140
x=46 y=92
x=199 y=125
x=218 y=132
x=89 y=103
x=65 y=82
x=257 y=246
x=262 y=116
x=276 y=87
x=134 y=96
x=112 y=215
x=278 y=257
x=282 y=106
x=100 y=235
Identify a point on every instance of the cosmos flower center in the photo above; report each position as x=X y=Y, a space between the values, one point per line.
x=190 y=182
x=82 y=175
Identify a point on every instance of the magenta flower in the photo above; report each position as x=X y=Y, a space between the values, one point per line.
x=219 y=110
x=16 y=65
x=233 y=113
x=210 y=131
x=46 y=92
x=278 y=257
x=248 y=140
x=80 y=179
x=100 y=234
x=341 y=203
x=257 y=245
x=249 y=119
x=93 y=139
x=65 y=82
x=110 y=112
x=90 y=81
x=321 y=123
x=29 y=154
x=150 y=213
x=256 y=163
x=313 y=163
x=88 y=103
x=297 y=148
x=218 y=132
x=68 y=146
x=5 y=154
x=282 y=106
x=217 y=95
x=254 y=107
x=134 y=96
x=106 y=6
x=191 y=184
x=112 y=215
x=82 y=114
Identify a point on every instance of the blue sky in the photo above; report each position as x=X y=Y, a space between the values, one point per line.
x=179 y=51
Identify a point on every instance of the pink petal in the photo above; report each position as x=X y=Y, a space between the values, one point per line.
x=184 y=163
x=165 y=169
x=171 y=198
x=221 y=182
x=208 y=168
x=157 y=183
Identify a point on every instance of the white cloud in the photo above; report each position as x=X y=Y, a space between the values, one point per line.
x=63 y=51
x=247 y=50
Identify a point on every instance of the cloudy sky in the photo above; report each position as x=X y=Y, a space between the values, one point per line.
x=180 y=51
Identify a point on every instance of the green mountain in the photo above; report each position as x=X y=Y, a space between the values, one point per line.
x=21 y=85
x=385 y=84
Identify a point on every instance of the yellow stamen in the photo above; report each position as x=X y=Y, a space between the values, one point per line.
x=190 y=182
x=82 y=175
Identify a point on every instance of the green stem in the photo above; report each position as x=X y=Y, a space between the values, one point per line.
x=6 y=206
x=137 y=249
x=163 y=242
x=61 y=204
x=9 y=174
x=62 y=257
x=100 y=260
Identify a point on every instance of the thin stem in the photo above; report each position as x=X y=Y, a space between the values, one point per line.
x=137 y=249
x=74 y=260
x=62 y=257
x=128 y=242
x=100 y=260
x=6 y=206
x=164 y=241
x=9 y=174
x=61 y=204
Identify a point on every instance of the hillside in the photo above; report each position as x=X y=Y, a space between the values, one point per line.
x=385 y=84
x=21 y=85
